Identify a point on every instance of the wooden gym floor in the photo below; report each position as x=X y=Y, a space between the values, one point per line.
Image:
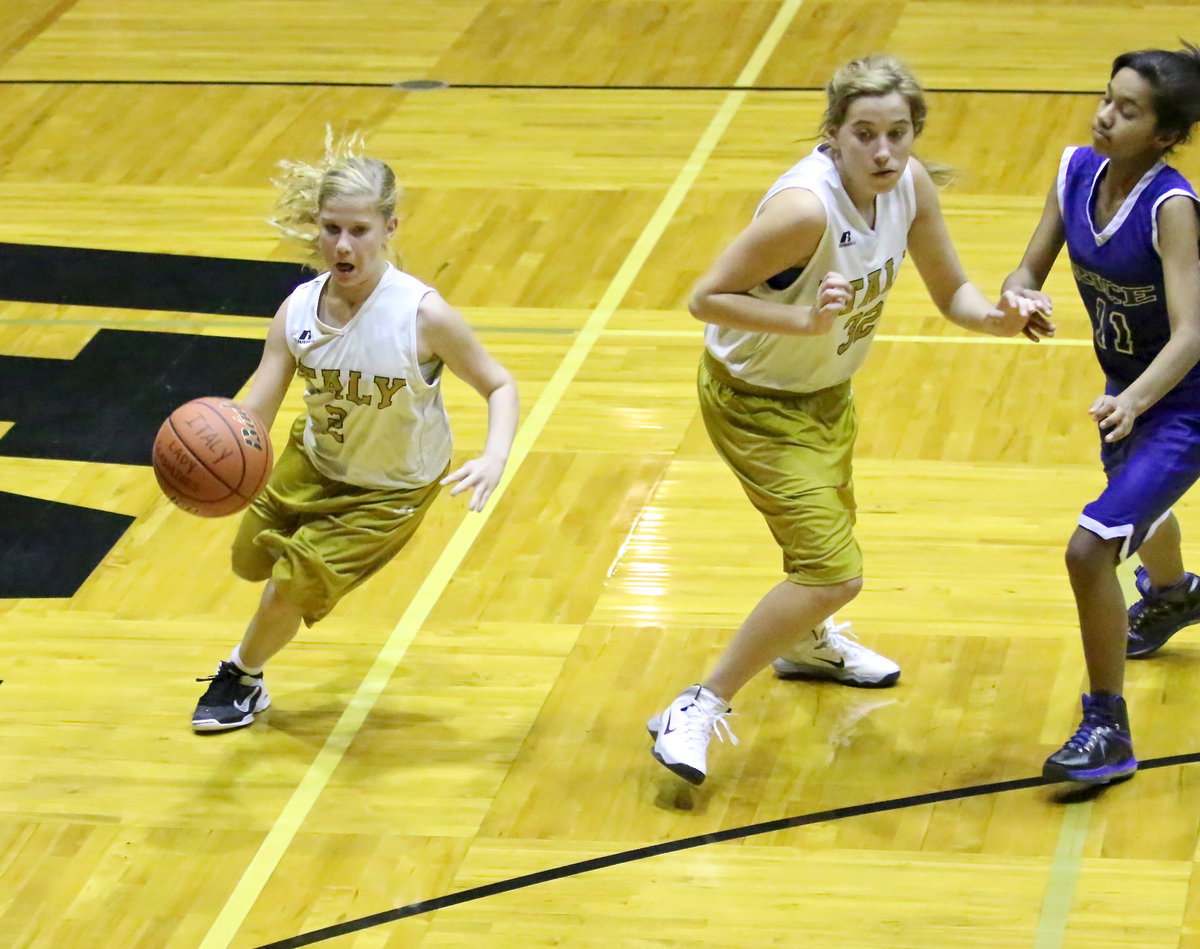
x=457 y=756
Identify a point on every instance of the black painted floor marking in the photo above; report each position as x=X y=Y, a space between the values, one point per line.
x=106 y=404
x=137 y=280
x=48 y=549
x=674 y=846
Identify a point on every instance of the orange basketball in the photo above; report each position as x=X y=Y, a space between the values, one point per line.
x=212 y=457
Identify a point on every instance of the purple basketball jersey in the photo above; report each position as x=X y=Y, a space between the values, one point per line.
x=1119 y=275
x=1118 y=270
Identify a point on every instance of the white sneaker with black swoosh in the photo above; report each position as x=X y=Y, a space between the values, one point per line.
x=232 y=699
x=682 y=732
x=831 y=652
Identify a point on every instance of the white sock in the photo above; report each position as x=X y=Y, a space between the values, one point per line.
x=236 y=658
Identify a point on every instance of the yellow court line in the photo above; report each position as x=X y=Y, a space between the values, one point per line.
x=1064 y=872
x=977 y=338
x=1064 y=869
x=281 y=834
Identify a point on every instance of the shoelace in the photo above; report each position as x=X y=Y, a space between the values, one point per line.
x=702 y=723
x=838 y=636
x=225 y=683
x=223 y=672
x=1086 y=733
x=1152 y=605
x=1148 y=610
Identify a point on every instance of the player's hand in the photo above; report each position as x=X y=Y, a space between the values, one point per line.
x=1020 y=312
x=1039 y=324
x=480 y=476
x=833 y=297
x=1115 y=416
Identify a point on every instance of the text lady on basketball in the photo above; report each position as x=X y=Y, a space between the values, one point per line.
x=364 y=462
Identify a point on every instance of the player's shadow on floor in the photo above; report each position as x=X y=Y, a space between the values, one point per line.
x=1079 y=793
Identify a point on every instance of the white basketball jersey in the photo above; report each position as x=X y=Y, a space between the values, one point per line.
x=869 y=258
x=374 y=419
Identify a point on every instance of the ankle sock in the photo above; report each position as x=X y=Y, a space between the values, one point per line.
x=236 y=658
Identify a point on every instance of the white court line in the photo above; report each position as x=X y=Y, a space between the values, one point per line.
x=262 y=866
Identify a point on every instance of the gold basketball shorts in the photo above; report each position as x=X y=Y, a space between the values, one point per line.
x=317 y=538
x=792 y=454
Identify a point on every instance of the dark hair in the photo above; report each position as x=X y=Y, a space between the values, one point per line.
x=1174 y=78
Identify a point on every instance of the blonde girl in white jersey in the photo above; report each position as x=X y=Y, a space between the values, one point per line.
x=791 y=306
x=366 y=459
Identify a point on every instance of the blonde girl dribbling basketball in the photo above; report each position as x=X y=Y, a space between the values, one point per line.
x=364 y=462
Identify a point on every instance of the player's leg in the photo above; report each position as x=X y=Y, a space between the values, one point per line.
x=792 y=455
x=1100 y=603
x=316 y=539
x=1148 y=471
x=346 y=534
x=237 y=692
x=273 y=625
x=1101 y=750
x=797 y=472
x=788 y=611
x=1164 y=463
x=1161 y=555
x=1169 y=595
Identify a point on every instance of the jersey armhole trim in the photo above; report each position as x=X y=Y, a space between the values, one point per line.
x=1154 y=213
x=1061 y=180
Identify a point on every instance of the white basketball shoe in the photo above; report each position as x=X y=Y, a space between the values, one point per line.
x=682 y=732
x=831 y=652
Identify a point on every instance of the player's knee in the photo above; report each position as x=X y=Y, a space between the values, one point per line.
x=849 y=589
x=305 y=594
x=837 y=595
x=252 y=565
x=1089 y=553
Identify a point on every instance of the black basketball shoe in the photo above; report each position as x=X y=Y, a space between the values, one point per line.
x=1160 y=614
x=1101 y=750
x=230 y=701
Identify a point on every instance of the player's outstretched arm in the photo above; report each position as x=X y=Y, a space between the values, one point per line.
x=959 y=300
x=1027 y=280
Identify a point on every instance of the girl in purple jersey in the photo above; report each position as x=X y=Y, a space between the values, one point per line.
x=1130 y=224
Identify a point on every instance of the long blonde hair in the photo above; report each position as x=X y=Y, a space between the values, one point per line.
x=878 y=75
x=874 y=75
x=344 y=171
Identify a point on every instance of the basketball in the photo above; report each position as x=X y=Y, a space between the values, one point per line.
x=212 y=457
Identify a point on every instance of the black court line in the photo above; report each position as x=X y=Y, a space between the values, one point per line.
x=437 y=85
x=734 y=88
x=675 y=846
